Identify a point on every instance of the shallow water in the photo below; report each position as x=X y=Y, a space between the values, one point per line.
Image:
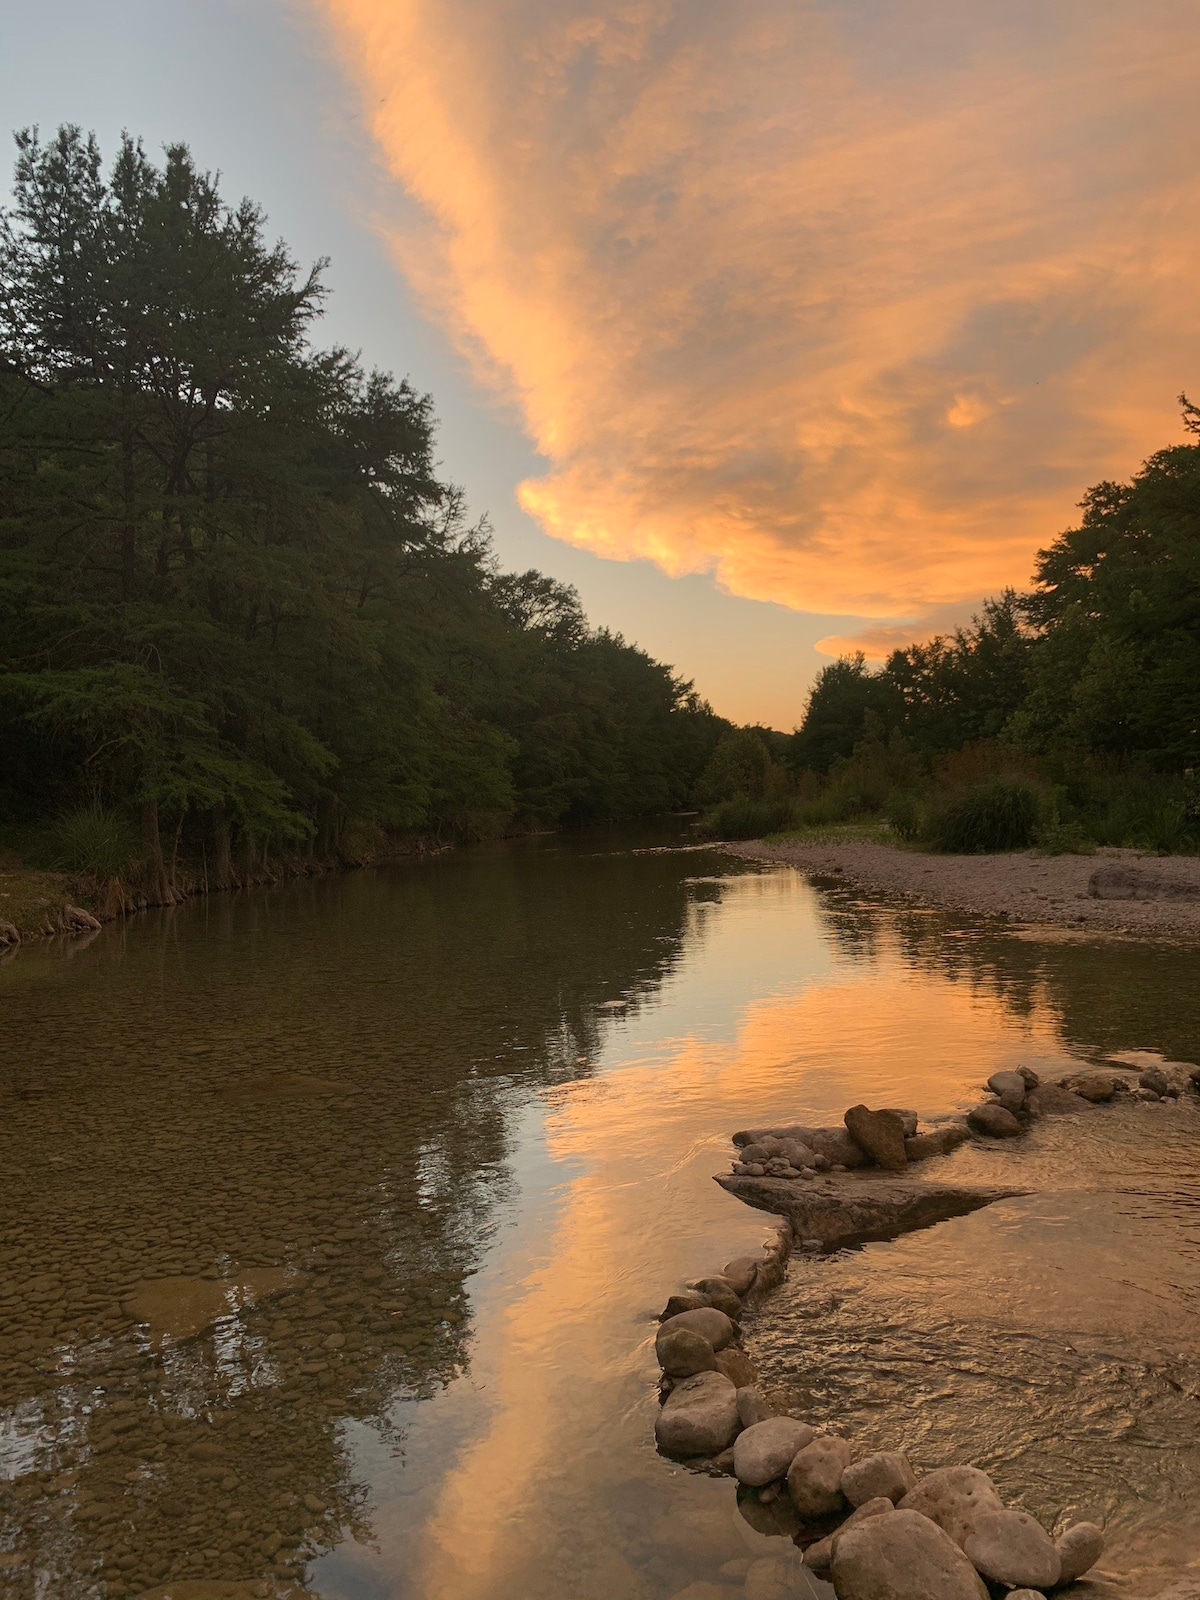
x=334 y=1217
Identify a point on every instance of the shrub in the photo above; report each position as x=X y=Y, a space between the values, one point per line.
x=95 y=840
x=1000 y=814
x=903 y=812
x=740 y=818
x=1057 y=838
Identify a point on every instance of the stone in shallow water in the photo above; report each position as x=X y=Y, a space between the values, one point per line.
x=763 y=1452
x=903 y=1556
x=720 y=1293
x=1078 y=1550
x=938 y=1142
x=741 y=1273
x=700 y=1416
x=682 y=1353
x=685 y=1300
x=1012 y=1548
x=707 y=1321
x=181 y=1307
x=737 y=1367
x=886 y=1473
x=819 y=1556
x=993 y=1121
x=751 y=1406
x=880 y=1134
x=955 y=1498
x=815 y=1475
x=841 y=1210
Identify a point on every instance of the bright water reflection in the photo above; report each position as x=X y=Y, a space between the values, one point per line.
x=467 y=1112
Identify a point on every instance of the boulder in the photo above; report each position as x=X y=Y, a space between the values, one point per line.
x=1079 y=1549
x=819 y=1556
x=938 y=1142
x=815 y=1476
x=1156 y=1080
x=993 y=1121
x=707 y=1321
x=1096 y=1087
x=839 y=1210
x=751 y=1406
x=720 y=1293
x=699 y=1418
x=737 y=1367
x=1002 y=1083
x=887 y=1473
x=764 y=1452
x=682 y=1352
x=1141 y=883
x=880 y=1134
x=800 y=1155
x=1012 y=1548
x=837 y=1147
x=685 y=1300
x=902 y=1556
x=741 y=1273
x=910 y=1119
x=955 y=1498
x=1052 y=1100
x=1030 y=1076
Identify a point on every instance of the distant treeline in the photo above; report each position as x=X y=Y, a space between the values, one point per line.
x=1067 y=716
x=239 y=611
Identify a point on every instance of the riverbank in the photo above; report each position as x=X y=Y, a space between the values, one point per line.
x=1021 y=887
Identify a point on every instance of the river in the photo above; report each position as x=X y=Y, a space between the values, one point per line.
x=334 y=1218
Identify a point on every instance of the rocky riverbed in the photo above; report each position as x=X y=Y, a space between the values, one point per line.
x=866 y=1521
x=1114 y=892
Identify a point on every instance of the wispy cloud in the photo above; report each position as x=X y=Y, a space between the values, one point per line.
x=843 y=302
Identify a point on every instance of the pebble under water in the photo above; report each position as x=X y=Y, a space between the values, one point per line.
x=334 y=1217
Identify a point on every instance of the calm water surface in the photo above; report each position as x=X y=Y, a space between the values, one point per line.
x=333 y=1219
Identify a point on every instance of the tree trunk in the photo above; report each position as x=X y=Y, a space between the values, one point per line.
x=159 y=889
x=222 y=873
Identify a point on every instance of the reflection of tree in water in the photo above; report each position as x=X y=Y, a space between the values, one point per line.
x=314 y=1079
x=1109 y=994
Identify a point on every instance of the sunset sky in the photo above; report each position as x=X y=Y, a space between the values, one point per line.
x=778 y=328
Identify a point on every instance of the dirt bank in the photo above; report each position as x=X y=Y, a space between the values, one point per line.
x=1023 y=888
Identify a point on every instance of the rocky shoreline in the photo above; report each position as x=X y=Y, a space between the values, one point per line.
x=1113 y=893
x=868 y=1524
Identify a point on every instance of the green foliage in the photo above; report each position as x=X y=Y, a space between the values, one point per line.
x=999 y=814
x=232 y=587
x=91 y=839
x=844 y=693
x=743 y=818
x=740 y=768
x=903 y=811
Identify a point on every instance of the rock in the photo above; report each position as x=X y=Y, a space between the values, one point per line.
x=875 y=1507
x=755 y=1152
x=1002 y=1083
x=79 y=920
x=815 y=1475
x=1012 y=1548
x=780 y=1519
x=1141 y=883
x=685 y=1300
x=753 y=1169
x=1052 y=1100
x=720 y=1293
x=1156 y=1080
x=699 y=1418
x=887 y=1473
x=836 y=1145
x=741 y=1273
x=938 y=1142
x=737 y=1367
x=836 y=1211
x=707 y=1321
x=1096 y=1087
x=764 y=1452
x=1078 y=1551
x=1030 y=1076
x=770 y=1578
x=880 y=1134
x=682 y=1352
x=903 y=1556
x=751 y=1406
x=955 y=1498
x=702 y=1590
x=993 y=1121
x=909 y=1119
x=798 y=1154
x=723 y=1463
x=1024 y=1594
x=10 y=934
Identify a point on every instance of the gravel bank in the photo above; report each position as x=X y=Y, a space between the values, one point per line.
x=1043 y=892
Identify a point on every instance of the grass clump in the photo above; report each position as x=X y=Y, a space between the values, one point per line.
x=998 y=814
x=93 y=840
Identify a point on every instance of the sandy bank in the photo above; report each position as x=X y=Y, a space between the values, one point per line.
x=1034 y=891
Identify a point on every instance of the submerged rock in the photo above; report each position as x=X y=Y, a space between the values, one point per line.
x=839 y=1209
x=764 y=1452
x=880 y=1134
x=1079 y=1549
x=938 y=1142
x=903 y=1556
x=815 y=1476
x=720 y=1293
x=1010 y=1547
x=699 y=1417
x=1097 y=1087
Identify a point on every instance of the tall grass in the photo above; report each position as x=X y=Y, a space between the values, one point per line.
x=94 y=840
x=998 y=814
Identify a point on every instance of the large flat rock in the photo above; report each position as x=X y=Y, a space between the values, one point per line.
x=847 y=1208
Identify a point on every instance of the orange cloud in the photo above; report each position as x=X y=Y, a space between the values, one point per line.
x=844 y=303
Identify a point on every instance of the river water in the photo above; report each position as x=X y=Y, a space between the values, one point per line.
x=334 y=1217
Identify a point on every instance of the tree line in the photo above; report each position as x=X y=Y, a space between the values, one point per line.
x=240 y=612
